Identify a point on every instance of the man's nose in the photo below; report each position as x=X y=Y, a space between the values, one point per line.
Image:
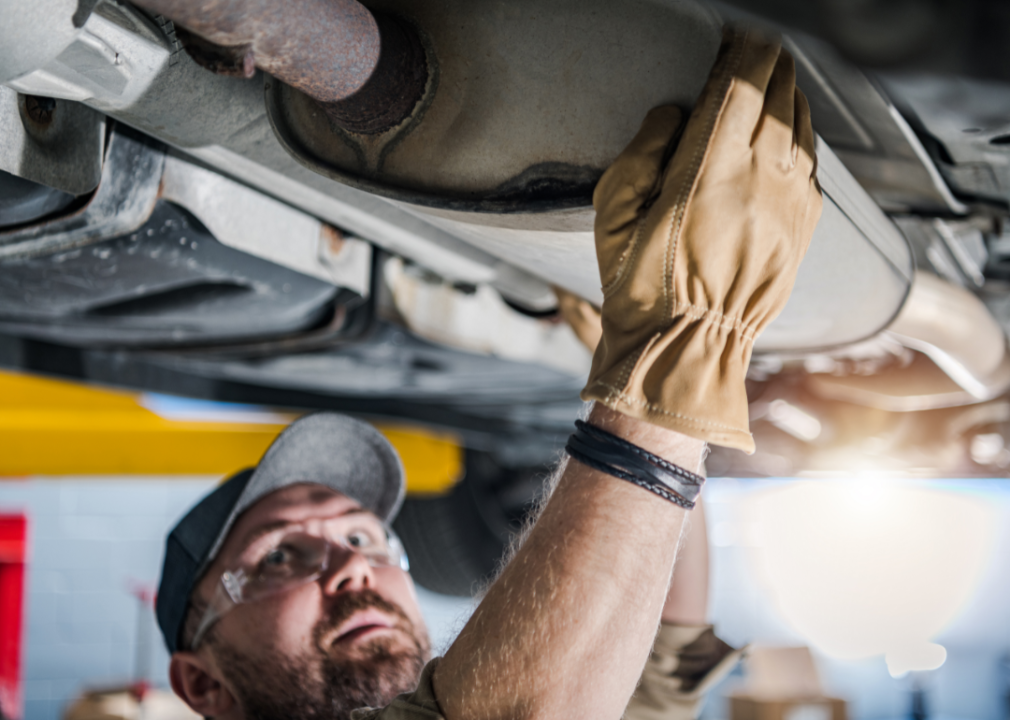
x=348 y=571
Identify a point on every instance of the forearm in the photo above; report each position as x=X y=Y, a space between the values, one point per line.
x=566 y=629
x=687 y=601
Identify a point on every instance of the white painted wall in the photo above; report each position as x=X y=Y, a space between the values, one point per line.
x=91 y=538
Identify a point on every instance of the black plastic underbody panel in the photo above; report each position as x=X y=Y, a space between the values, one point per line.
x=170 y=282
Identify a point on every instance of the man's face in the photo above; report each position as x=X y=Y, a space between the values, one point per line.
x=352 y=638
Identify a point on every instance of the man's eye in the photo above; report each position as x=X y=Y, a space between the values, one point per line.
x=277 y=557
x=360 y=539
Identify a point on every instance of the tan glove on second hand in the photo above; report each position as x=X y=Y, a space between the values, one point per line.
x=699 y=254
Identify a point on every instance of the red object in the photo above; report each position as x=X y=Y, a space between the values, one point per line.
x=139 y=689
x=144 y=592
x=13 y=533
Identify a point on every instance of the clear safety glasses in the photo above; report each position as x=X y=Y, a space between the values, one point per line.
x=289 y=557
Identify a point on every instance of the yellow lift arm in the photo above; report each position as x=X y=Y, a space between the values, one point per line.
x=55 y=427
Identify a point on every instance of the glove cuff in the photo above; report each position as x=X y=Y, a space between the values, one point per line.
x=688 y=378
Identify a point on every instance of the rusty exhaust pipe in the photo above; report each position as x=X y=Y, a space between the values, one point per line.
x=395 y=87
x=366 y=72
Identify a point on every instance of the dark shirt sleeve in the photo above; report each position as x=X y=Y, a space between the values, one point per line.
x=417 y=705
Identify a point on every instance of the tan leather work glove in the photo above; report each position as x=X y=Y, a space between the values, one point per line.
x=697 y=255
x=581 y=316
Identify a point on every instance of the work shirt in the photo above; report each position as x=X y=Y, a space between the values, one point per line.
x=686 y=662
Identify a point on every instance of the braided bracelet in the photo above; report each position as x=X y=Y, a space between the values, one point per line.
x=604 y=451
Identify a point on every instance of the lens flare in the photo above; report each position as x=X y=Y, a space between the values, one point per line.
x=869 y=568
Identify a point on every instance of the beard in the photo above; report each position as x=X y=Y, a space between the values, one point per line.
x=318 y=684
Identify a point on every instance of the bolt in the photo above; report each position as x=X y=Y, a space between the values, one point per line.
x=40 y=109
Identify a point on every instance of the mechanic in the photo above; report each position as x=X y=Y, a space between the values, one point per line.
x=283 y=595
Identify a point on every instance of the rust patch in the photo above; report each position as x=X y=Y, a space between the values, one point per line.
x=328 y=49
x=332 y=239
x=394 y=89
x=230 y=61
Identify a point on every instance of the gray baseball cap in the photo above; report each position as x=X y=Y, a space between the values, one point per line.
x=337 y=451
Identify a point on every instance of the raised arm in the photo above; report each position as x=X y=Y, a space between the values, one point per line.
x=566 y=629
x=687 y=658
x=697 y=254
x=687 y=600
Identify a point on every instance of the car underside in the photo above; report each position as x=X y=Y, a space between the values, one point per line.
x=368 y=209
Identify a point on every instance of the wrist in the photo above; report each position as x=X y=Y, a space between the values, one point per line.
x=679 y=449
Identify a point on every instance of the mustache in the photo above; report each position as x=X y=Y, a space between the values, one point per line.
x=347 y=604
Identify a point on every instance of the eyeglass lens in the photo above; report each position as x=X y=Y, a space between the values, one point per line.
x=299 y=557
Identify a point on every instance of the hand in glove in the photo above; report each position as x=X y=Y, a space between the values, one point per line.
x=698 y=253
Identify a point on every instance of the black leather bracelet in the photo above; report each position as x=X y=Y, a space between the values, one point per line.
x=615 y=456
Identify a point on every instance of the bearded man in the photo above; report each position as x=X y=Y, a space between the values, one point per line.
x=285 y=594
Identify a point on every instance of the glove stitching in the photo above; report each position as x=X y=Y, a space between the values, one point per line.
x=685 y=192
x=627 y=399
x=628 y=366
x=627 y=259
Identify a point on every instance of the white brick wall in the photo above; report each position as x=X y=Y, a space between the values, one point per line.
x=91 y=538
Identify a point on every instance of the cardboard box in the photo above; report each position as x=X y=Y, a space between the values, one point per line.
x=745 y=707
x=783 y=684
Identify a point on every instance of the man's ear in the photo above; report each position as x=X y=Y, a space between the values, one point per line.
x=196 y=683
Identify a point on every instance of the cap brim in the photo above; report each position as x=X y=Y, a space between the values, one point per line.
x=340 y=452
